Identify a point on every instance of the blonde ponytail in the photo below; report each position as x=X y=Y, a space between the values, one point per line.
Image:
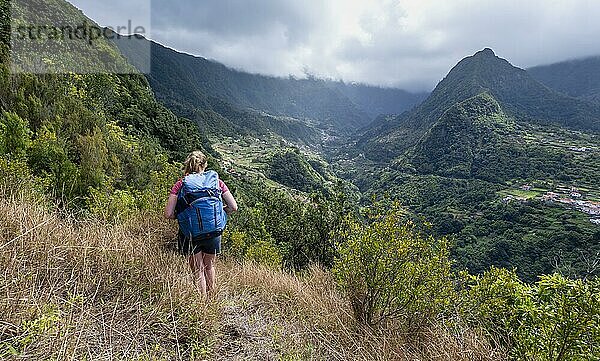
x=196 y=162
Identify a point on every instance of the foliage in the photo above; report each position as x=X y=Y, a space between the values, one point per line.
x=392 y=273
x=299 y=227
x=291 y=169
x=93 y=140
x=15 y=134
x=244 y=247
x=114 y=206
x=554 y=319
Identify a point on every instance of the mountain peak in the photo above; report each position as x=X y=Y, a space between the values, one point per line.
x=485 y=52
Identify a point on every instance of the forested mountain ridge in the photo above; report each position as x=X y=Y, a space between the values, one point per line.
x=189 y=84
x=579 y=78
x=488 y=160
x=510 y=194
x=517 y=92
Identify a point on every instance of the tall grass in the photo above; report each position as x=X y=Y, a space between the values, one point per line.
x=81 y=289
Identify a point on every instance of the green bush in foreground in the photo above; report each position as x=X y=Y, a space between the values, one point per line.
x=392 y=273
x=554 y=319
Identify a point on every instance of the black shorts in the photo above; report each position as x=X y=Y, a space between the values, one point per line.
x=206 y=244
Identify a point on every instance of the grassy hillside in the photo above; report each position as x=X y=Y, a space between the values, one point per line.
x=93 y=290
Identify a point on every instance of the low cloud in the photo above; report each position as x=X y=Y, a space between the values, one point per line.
x=407 y=44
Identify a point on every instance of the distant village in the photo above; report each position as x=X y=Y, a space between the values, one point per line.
x=570 y=197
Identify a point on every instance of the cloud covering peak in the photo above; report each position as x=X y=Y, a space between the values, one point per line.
x=407 y=44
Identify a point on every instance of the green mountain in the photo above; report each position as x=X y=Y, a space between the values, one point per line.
x=488 y=160
x=520 y=96
x=464 y=135
x=177 y=85
x=476 y=139
x=193 y=86
x=503 y=190
x=579 y=78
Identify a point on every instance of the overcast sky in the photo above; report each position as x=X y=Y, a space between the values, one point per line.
x=410 y=44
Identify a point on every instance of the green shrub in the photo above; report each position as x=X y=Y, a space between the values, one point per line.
x=15 y=135
x=555 y=319
x=392 y=273
x=562 y=322
x=113 y=206
x=49 y=159
x=16 y=179
x=494 y=303
x=242 y=247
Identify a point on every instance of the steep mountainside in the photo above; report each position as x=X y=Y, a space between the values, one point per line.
x=517 y=92
x=578 y=78
x=511 y=194
x=475 y=139
x=498 y=161
x=189 y=84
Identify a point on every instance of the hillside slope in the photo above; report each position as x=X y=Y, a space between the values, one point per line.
x=579 y=78
x=185 y=81
x=96 y=141
x=90 y=290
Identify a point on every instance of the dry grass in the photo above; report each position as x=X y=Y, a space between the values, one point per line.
x=84 y=290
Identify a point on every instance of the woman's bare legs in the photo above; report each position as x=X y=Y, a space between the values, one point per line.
x=209 y=270
x=203 y=267
x=198 y=268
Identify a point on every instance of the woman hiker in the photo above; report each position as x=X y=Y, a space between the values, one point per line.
x=199 y=202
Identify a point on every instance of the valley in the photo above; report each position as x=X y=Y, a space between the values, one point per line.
x=479 y=160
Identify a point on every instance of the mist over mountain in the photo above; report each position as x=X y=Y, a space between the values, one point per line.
x=190 y=84
x=579 y=78
x=376 y=101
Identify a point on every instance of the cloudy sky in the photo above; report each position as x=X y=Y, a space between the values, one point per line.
x=409 y=44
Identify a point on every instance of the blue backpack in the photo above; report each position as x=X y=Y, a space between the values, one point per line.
x=200 y=206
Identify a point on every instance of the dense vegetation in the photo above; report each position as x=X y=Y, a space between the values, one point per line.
x=579 y=78
x=291 y=169
x=396 y=276
x=471 y=190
